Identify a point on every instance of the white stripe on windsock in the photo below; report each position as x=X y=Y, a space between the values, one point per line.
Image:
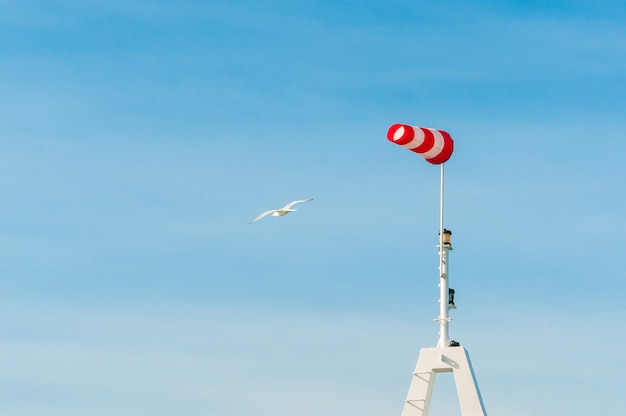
x=437 y=146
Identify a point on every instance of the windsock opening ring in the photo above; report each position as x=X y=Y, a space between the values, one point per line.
x=436 y=146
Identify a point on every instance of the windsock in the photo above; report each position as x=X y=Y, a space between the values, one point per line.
x=435 y=146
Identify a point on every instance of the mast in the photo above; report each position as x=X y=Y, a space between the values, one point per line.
x=444 y=287
x=448 y=356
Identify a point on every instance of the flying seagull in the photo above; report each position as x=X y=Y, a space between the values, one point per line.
x=281 y=211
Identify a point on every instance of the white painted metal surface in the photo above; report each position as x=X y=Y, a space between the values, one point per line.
x=444 y=287
x=442 y=360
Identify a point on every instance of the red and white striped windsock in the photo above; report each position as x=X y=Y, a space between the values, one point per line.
x=435 y=146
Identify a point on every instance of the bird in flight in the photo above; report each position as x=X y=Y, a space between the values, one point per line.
x=281 y=211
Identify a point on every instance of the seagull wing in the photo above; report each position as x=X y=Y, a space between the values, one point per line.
x=263 y=215
x=291 y=204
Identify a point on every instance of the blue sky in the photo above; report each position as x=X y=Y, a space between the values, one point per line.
x=138 y=140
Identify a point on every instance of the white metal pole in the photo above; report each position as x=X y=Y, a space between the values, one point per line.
x=444 y=338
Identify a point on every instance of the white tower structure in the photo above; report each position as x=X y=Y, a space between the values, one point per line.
x=448 y=356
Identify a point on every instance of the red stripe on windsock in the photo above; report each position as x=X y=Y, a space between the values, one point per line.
x=427 y=144
x=403 y=132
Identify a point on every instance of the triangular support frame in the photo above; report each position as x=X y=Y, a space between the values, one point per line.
x=432 y=361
